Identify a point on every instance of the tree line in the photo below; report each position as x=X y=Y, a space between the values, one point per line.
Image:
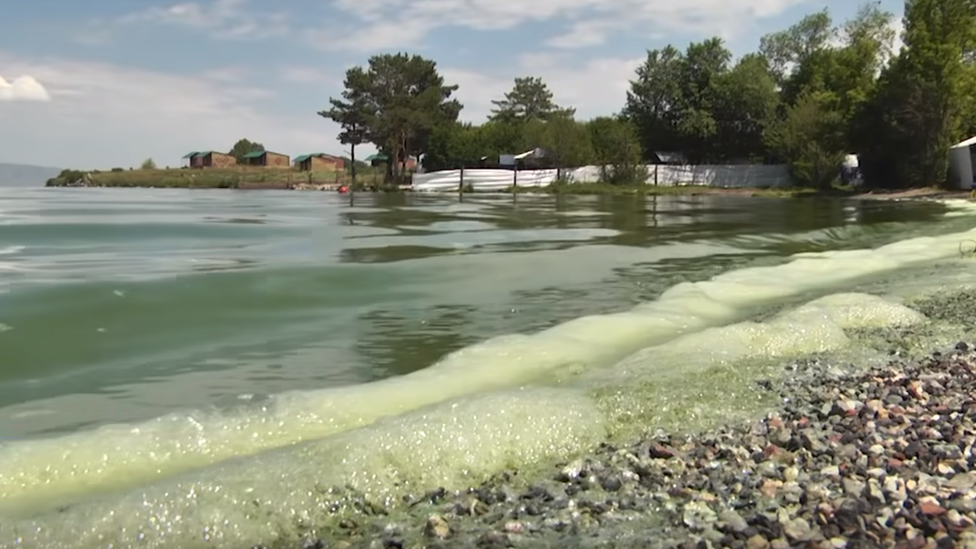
x=810 y=95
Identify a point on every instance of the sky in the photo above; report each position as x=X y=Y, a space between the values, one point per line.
x=109 y=83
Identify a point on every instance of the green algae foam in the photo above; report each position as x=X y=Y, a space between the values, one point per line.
x=260 y=474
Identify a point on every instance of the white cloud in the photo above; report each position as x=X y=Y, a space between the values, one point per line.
x=582 y=34
x=898 y=27
x=588 y=22
x=377 y=35
x=223 y=19
x=107 y=115
x=594 y=88
x=225 y=74
x=23 y=88
x=306 y=75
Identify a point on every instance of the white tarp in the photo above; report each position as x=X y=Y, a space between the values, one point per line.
x=489 y=180
x=961 y=161
x=486 y=180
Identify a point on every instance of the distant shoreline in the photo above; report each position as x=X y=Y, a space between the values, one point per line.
x=211 y=178
x=277 y=179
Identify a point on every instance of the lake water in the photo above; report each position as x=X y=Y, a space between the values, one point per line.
x=157 y=343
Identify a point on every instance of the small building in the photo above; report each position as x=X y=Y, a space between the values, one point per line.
x=377 y=159
x=381 y=160
x=320 y=162
x=668 y=158
x=208 y=159
x=536 y=158
x=267 y=159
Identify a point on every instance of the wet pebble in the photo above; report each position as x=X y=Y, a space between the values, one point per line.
x=882 y=458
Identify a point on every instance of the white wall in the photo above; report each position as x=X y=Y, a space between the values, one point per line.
x=738 y=175
x=481 y=180
x=960 y=167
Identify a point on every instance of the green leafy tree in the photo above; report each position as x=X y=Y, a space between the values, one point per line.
x=617 y=151
x=795 y=45
x=395 y=103
x=566 y=141
x=810 y=139
x=455 y=145
x=411 y=99
x=654 y=101
x=530 y=99
x=499 y=138
x=826 y=76
x=870 y=34
x=243 y=147
x=696 y=103
x=849 y=70
x=353 y=113
x=917 y=110
x=811 y=94
x=744 y=102
x=148 y=164
x=705 y=63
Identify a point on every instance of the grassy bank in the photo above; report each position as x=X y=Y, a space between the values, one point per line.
x=270 y=178
x=923 y=193
x=210 y=178
x=678 y=190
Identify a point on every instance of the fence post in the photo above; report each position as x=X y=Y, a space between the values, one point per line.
x=655 y=174
x=515 y=182
x=461 y=186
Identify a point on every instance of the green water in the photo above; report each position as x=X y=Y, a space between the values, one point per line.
x=124 y=305
x=192 y=369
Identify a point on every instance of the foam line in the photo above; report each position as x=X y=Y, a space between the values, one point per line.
x=272 y=498
x=49 y=472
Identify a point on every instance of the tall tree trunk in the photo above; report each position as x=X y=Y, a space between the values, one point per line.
x=352 y=159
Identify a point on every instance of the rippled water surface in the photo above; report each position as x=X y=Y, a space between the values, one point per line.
x=187 y=369
x=124 y=305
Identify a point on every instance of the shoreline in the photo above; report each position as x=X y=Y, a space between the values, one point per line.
x=925 y=193
x=851 y=457
x=580 y=189
x=665 y=485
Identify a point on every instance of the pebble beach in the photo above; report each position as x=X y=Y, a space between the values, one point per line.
x=850 y=459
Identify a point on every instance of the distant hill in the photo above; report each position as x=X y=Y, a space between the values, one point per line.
x=25 y=175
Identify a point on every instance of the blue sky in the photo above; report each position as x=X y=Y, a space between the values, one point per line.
x=111 y=82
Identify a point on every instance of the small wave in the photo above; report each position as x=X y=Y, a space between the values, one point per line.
x=454 y=443
x=180 y=442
